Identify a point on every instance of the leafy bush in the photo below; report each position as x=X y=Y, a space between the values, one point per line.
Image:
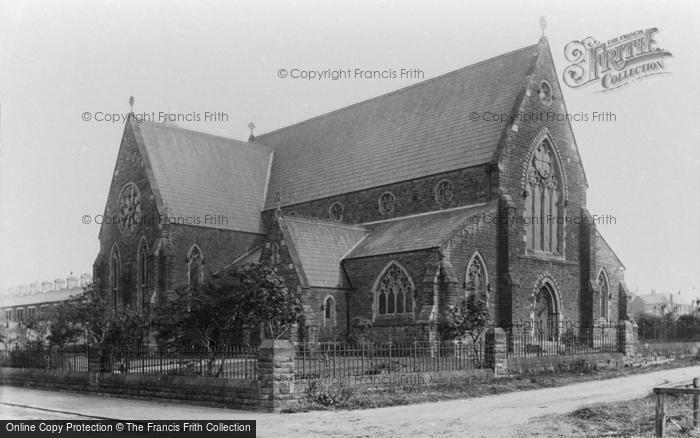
x=470 y=317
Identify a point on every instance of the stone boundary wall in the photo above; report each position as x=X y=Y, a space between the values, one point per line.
x=553 y=363
x=398 y=381
x=205 y=391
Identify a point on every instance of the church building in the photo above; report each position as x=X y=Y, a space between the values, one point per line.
x=388 y=211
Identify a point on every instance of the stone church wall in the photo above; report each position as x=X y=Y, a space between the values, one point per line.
x=470 y=186
x=528 y=270
x=219 y=247
x=365 y=271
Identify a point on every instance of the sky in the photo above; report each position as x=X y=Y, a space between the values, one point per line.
x=60 y=60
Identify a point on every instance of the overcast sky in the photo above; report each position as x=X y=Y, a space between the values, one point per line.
x=61 y=59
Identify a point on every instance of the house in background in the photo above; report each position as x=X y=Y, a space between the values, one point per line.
x=17 y=304
x=660 y=304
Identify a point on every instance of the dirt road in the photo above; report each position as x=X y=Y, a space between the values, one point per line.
x=492 y=416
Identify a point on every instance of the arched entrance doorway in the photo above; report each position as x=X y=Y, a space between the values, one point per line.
x=546 y=323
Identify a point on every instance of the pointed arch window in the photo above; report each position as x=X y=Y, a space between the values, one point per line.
x=142 y=276
x=477 y=279
x=394 y=292
x=195 y=260
x=115 y=276
x=329 y=312
x=604 y=287
x=274 y=254
x=543 y=202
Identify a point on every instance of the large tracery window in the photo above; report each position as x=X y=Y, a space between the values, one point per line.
x=394 y=292
x=543 y=202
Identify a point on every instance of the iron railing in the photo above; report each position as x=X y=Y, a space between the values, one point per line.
x=69 y=358
x=561 y=338
x=335 y=360
x=667 y=332
x=226 y=363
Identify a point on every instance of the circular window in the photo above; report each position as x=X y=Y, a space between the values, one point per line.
x=444 y=192
x=129 y=209
x=387 y=202
x=336 y=211
x=545 y=92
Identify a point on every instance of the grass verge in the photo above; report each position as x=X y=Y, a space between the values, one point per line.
x=346 y=397
x=630 y=418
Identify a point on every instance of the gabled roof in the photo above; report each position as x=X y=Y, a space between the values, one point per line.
x=420 y=231
x=413 y=132
x=198 y=174
x=318 y=246
x=601 y=240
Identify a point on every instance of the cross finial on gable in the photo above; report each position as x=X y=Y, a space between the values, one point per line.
x=278 y=205
x=251 y=126
x=543 y=24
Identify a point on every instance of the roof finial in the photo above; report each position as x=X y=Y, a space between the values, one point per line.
x=543 y=24
x=278 y=205
x=251 y=126
x=131 y=103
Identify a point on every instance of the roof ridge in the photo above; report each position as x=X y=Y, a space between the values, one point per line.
x=427 y=213
x=209 y=134
x=401 y=90
x=323 y=221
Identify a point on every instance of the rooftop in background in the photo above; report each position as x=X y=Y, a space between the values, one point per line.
x=44 y=292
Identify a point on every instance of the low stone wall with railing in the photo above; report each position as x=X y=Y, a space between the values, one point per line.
x=277 y=374
x=243 y=378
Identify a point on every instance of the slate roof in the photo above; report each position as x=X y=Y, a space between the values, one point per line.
x=199 y=174
x=413 y=132
x=252 y=256
x=421 y=231
x=600 y=240
x=40 y=297
x=319 y=246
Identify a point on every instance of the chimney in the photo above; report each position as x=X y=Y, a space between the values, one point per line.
x=85 y=279
x=59 y=284
x=24 y=289
x=34 y=287
x=46 y=286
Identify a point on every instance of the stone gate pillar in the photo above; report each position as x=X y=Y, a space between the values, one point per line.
x=276 y=374
x=495 y=351
x=626 y=337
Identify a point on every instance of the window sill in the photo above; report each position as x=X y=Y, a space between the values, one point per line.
x=547 y=257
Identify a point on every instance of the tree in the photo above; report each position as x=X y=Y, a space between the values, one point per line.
x=470 y=317
x=263 y=299
x=208 y=316
x=89 y=317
